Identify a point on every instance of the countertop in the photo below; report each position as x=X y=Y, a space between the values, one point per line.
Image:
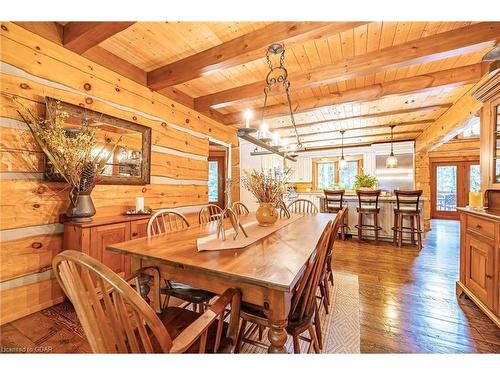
x=387 y=198
x=484 y=212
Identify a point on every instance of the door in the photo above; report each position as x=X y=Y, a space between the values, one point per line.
x=216 y=180
x=451 y=183
x=106 y=235
x=479 y=268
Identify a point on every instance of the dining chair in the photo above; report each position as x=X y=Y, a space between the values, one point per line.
x=303 y=206
x=240 y=208
x=327 y=275
x=368 y=205
x=333 y=203
x=303 y=314
x=169 y=221
x=116 y=319
x=283 y=210
x=407 y=205
x=210 y=212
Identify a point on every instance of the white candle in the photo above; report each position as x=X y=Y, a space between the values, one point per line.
x=229 y=164
x=248 y=116
x=139 y=204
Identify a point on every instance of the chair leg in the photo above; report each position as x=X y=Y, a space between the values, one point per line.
x=314 y=339
x=317 y=325
x=323 y=296
x=360 y=226
x=261 y=332
x=327 y=292
x=375 y=221
x=240 y=336
x=395 y=230
x=419 y=234
x=296 y=344
x=400 y=230
x=412 y=226
x=342 y=229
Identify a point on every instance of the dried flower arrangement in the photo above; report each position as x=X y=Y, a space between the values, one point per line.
x=69 y=151
x=266 y=187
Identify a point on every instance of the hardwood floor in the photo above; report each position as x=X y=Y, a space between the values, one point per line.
x=408 y=303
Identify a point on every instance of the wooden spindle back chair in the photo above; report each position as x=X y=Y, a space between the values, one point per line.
x=210 y=212
x=333 y=203
x=407 y=205
x=240 y=209
x=368 y=205
x=303 y=206
x=283 y=210
x=166 y=221
x=117 y=320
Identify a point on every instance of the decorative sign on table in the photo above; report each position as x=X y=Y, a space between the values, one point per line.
x=254 y=231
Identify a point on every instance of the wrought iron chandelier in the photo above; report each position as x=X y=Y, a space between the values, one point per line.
x=276 y=76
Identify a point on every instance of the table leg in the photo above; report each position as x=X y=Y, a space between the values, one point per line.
x=277 y=336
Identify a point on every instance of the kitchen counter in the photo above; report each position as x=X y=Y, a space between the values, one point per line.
x=484 y=212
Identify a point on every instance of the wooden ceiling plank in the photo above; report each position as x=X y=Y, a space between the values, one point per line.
x=447 y=78
x=434 y=47
x=243 y=49
x=81 y=36
x=49 y=30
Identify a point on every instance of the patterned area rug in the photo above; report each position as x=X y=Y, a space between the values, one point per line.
x=341 y=327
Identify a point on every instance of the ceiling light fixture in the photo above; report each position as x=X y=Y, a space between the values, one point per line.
x=392 y=161
x=342 y=162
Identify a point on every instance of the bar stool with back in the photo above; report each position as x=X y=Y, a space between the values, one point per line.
x=407 y=204
x=368 y=205
x=333 y=203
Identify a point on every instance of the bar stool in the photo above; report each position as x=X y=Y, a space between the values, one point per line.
x=407 y=204
x=334 y=202
x=368 y=205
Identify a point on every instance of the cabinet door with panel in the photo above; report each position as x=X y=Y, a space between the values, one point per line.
x=479 y=267
x=139 y=228
x=105 y=235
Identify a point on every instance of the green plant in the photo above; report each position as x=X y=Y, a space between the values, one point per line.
x=365 y=181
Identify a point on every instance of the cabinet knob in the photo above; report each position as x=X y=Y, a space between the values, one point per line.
x=489 y=276
x=478 y=226
x=134 y=234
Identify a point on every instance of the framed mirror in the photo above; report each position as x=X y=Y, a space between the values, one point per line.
x=130 y=162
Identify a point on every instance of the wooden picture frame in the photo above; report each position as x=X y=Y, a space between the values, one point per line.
x=52 y=105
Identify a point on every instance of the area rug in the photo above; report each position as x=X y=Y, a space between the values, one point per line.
x=341 y=327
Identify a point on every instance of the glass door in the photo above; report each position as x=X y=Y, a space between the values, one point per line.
x=451 y=184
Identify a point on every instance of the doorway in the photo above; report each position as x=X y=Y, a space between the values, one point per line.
x=451 y=182
x=216 y=175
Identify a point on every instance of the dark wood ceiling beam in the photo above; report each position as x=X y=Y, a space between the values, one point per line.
x=446 y=78
x=82 y=36
x=337 y=130
x=452 y=43
x=248 y=47
x=405 y=111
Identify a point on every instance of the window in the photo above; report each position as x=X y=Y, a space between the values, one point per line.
x=326 y=172
x=475 y=178
x=213 y=181
x=472 y=129
x=347 y=176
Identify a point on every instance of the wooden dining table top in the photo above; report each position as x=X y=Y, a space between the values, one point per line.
x=275 y=261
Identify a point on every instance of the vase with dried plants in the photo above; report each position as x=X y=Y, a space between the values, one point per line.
x=268 y=188
x=73 y=153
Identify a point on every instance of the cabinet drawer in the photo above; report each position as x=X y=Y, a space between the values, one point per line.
x=481 y=226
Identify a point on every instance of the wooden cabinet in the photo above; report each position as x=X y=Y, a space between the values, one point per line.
x=93 y=237
x=301 y=170
x=480 y=261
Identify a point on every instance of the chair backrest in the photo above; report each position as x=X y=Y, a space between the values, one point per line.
x=368 y=198
x=114 y=316
x=240 y=208
x=408 y=199
x=334 y=198
x=166 y=221
x=304 y=297
x=210 y=212
x=283 y=210
x=303 y=206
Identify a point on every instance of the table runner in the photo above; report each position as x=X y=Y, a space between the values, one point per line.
x=254 y=230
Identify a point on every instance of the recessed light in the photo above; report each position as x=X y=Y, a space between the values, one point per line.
x=410 y=101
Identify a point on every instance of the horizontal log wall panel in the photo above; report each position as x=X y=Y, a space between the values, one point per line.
x=28 y=255
x=21 y=161
x=27 y=299
x=163 y=134
x=44 y=59
x=36 y=202
x=178 y=167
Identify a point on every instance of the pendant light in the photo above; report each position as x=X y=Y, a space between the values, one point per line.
x=392 y=161
x=342 y=162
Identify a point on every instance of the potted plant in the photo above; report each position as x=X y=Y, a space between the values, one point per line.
x=73 y=153
x=365 y=182
x=268 y=188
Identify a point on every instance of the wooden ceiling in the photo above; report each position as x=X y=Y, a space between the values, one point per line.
x=359 y=76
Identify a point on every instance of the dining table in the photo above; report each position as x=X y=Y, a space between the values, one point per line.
x=266 y=271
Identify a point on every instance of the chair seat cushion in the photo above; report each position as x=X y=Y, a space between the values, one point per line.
x=367 y=209
x=259 y=312
x=177 y=319
x=188 y=293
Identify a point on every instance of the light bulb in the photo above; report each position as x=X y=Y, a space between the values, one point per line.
x=264 y=128
x=392 y=161
x=276 y=138
x=342 y=163
x=248 y=116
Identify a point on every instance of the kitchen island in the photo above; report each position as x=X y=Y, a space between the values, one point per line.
x=387 y=204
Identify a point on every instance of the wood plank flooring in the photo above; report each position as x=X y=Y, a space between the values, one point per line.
x=407 y=297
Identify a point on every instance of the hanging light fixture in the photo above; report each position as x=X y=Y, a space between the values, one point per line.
x=277 y=75
x=392 y=161
x=342 y=162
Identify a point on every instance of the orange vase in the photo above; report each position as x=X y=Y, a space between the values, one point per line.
x=266 y=214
